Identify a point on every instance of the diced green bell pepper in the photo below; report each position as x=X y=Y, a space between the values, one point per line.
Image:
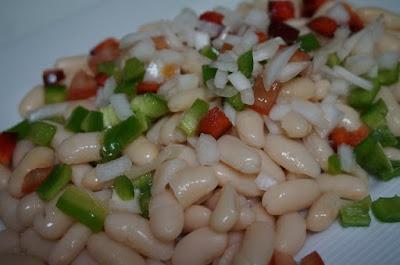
x=126 y=87
x=360 y=98
x=245 y=63
x=384 y=136
x=375 y=116
x=333 y=60
x=109 y=116
x=389 y=77
x=144 y=183
x=133 y=70
x=76 y=118
x=209 y=52
x=208 y=73
x=41 y=133
x=124 y=188
x=151 y=105
x=55 y=94
x=192 y=117
x=21 y=129
x=356 y=213
x=334 y=166
x=93 y=122
x=387 y=209
x=55 y=182
x=236 y=102
x=107 y=68
x=309 y=42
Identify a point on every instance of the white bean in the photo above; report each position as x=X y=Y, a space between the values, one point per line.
x=189 y=155
x=388 y=42
x=38 y=157
x=5 y=175
x=301 y=87
x=169 y=132
x=291 y=155
x=257 y=245
x=207 y=150
x=106 y=251
x=250 y=127
x=238 y=155
x=135 y=231
x=60 y=136
x=141 y=151
x=166 y=216
x=270 y=167
x=346 y=186
x=28 y=207
x=154 y=262
x=227 y=211
x=246 y=218
x=33 y=244
x=9 y=241
x=290 y=196
x=229 y=255
x=243 y=184
x=319 y=149
x=193 y=183
x=91 y=182
x=70 y=245
x=153 y=134
x=295 y=126
x=72 y=64
x=79 y=171
x=323 y=212
x=33 y=100
x=196 y=216
x=261 y=215
x=370 y=14
x=8 y=211
x=182 y=100
x=165 y=172
x=200 y=247
x=290 y=233
x=80 y=148
x=18 y=259
x=392 y=117
x=392 y=153
x=322 y=89
x=84 y=258
x=351 y=118
x=21 y=149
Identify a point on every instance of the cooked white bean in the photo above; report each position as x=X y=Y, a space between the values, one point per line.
x=91 y=182
x=84 y=258
x=212 y=200
x=291 y=155
x=227 y=210
x=293 y=176
x=301 y=87
x=290 y=196
x=257 y=245
x=70 y=245
x=193 y=183
x=86 y=103
x=135 y=231
x=392 y=117
x=106 y=251
x=322 y=89
x=346 y=186
x=80 y=148
x=60 y=136
x=295 y=126
x=238 y=155
x=38 y=157
x=141 y=151
x=28 y=207
x=200 y=247
x=243 y=184
x=8 y=211
x=189 y=155
x=18 y=259
x=196 y=216
x=392 y=153
x=388 y=42
x=9 y=241
x=323 y=212
x=169 y=133
x=351 y=118
x=261 y=215
x=72 y=64
x=5 y=175
x=207 y=150
x=370 y=14
x=290 y=233
x=154 y=262
x=246 y=218
x=270 y=167
x=79 y=171
x=250 y=127
x=319 y=149
x=228 y=256
x=166 y=216
x=34 y=99
x=33 y=244
x=154 y=133
x=182 y=100
x=165 y=172
x=21 y=149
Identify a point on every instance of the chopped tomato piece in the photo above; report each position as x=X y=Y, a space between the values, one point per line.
x=226 y=47
x=105 y=51
x=53 y=76
x=82 y=86
x=286 y=32
x=300 y=56
x=342 y=136
x=281 y=10
x=160 y=42
x=312 y=259
x=34 y=179
x=281 y=258
x=355 y=22
x=8 y=141
x=323 y=25
x=213 y=17
x=262 y=36
x=358 y=135
x=145 y=87
x=311 y=6
x=264 y=100
x=101 y=79
x=215 y=123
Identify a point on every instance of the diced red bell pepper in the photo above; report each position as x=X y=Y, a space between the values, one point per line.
x=105 y=51
x=323 y=25
x=311 y=6
x=281 y=11
x=300 y=56
x=215 y=123
x=82 y=86
x=355 y=22
x=286 y=32
x=342 y=136
x=213 y=17
x=226 y=47
x=160 y=42
x=312 y=259
x=145 y=87
x=53 y=76
x=264 y=100
x=262 y=36
x=101 y=79
x=281 y=258
x=8 y=141
x=34 y=179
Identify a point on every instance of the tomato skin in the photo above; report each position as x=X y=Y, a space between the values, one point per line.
x=105 y=51
x=215 y=123
x=226 y=47
x=279 y=29
x=34 y=179
x=213 y=17
x=342 y=136
x=281 y=11
x=101 y=79
x=82 y=86
x=355 y=22
x=312 y=259
x=264 y=100
x=262 y=36
x=300 y=56
x=311 y=6
x=325 y=26
x=145 y=87
x=8 y=141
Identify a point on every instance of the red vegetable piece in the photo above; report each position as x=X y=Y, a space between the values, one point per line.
x=160 y=42
x=355 y=22
x=262 y=36
x=226 y=47
x=8 y=142
x=145 y=87
x=312 y=259
x=82 y=86
x=34 y=179
x=101 y=79
x=323 y=25
x=358 y=135
x=342 y=136
x=213 y=17
x=300 y=56
x=281 y=258
x=281 y=10
x=105 y=51
x=311 y=6
x=286 y=32
x=53 y=76
x=264 y=100
x=215 y=123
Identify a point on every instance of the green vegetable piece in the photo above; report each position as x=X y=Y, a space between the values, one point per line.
x=356 y=213
x=144 y=183
x=236 y=102
x=133 y=70
x=209 y=52
x=398 y=143
x=389 y=77
x=126 y=87
x=21 y=129
x=384 y=136
x=151 y=105
x=309 y=43
x=55 y=94
x=245 y=63
x=387 y=209
x=107 y=68
x=208 y=73
x=93 y=122
x=56 y=181
x=192 y=117
x=41 y=133
x=109 y=116
x=124 y=188
x=76 y=118
x=375 y=116
x=57 y=119
x=362 y=99
x=117 y=137
x=334 y=166
x=83 y=207
x=333 y=60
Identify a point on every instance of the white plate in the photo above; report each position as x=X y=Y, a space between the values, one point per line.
x=34 y=33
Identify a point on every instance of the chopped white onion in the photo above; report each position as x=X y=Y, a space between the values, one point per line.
x=226 y=92
x=339 y=87
x=207 y=150
x=104 y=94
x=264 y=181
x=246 y=43
x=130 y=206
x=172 y=40
x=338 y=13
x=257 y=18
x=332 y=114
x=143 y=50
x=110 y=170
x=388 y=60
x=170 y=56
x=267 y=49
x=212 y=29
x=131 y=38
x=310 y=111
x=352 y=78
x=202 y=39
x=346 y=157
x=291 y=70
x=320 y=58
x=247 y=96
x=221 y=79
x=230 y=113
x=187 y=81
x=48 y=111
x=121 y=106
x=279 y=111
x=349 y=44
x=232 y=39
x=239 y=81
x=153 y=72
x=225 y=66
x=359 y=64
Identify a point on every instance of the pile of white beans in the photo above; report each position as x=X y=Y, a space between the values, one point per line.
x=208 y=204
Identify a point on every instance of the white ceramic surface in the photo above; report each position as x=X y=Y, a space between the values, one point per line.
x=34 y=33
